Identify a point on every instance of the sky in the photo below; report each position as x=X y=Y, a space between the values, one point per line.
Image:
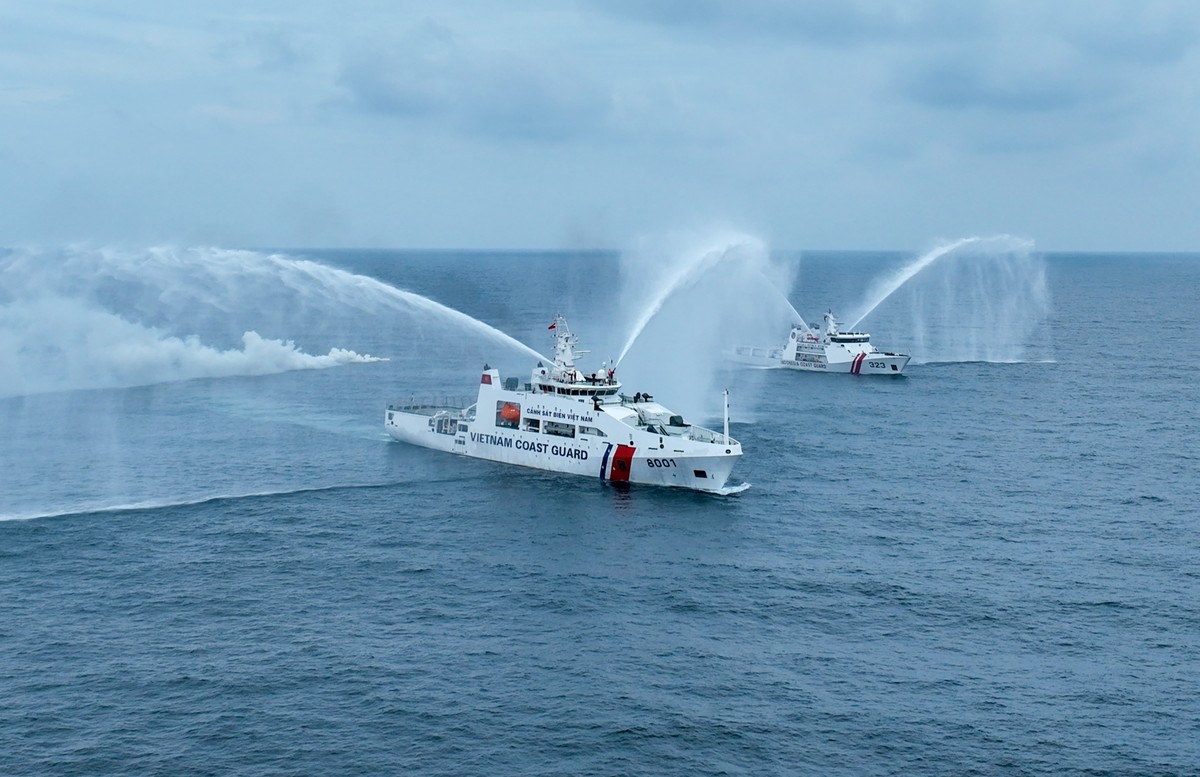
x=571 y=124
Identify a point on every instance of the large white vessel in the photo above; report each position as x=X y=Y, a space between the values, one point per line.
x=566 y=421
x=831 y=351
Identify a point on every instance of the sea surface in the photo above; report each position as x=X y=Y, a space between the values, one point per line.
x=990 y=565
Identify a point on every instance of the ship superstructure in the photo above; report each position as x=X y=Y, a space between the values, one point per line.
x=829 y=351
x=566 y=420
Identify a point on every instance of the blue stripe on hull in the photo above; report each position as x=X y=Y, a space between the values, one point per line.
x=604 y=460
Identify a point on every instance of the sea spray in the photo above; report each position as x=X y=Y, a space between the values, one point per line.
x=689 y=300
x=54 y=343
x=83 y=317
x=886 y=286
x=974 y=299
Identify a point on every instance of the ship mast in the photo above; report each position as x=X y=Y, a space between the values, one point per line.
x=726 y=395
x=565 y=351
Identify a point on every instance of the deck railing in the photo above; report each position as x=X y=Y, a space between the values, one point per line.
x=700 y=434
x=424 y=405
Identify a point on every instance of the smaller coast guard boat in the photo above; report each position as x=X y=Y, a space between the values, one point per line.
x=564 y=420
x=831 y=351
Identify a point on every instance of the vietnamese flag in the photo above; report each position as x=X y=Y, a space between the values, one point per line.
x=553 y=326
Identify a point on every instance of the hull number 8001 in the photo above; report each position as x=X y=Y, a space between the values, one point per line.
x=661 y=463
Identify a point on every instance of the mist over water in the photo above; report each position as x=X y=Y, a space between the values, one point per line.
x=970 y=300
x=884 y=287
x=77 y=317
x=691 y=298
x=681 y=268
x=84 y=317
x=974 y=569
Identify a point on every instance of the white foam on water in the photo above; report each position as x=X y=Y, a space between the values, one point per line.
x=81 y=317
x=52 y=344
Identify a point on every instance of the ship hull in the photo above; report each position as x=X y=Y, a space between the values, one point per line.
x=858 y=364
x=563 y=420
x=834 y=352
x=834 y=363
x=416 y=429
x=660 y=461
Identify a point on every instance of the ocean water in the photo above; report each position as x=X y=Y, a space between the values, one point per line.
x=990 y=565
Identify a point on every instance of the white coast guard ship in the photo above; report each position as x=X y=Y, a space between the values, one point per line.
x=566 y=421
x=832 y=351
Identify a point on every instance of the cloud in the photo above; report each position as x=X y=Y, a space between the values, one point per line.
x=966 y=81
x=1051 y=78
x=1057 y=56
x=1010 y=57
x=834 y=24
x=520 y=99
x=1146 y=33
x=409 y=77
x=16 y=96
x=269 y=48
x=810 y=118
x=429 y=76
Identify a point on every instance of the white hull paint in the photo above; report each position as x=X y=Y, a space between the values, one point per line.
x=831 y=352
x=564 y=422
x=861 y=363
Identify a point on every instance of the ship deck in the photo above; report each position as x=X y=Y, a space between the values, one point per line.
x=431 y=406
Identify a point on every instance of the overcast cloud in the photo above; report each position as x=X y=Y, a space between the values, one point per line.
x=559 y=124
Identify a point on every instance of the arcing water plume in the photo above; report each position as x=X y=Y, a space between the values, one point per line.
x=677 y=269
x=884 y=288
x=690 y=299
x=90 y=318
x=973 y=299
x=360 y=291
x=680 y=271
